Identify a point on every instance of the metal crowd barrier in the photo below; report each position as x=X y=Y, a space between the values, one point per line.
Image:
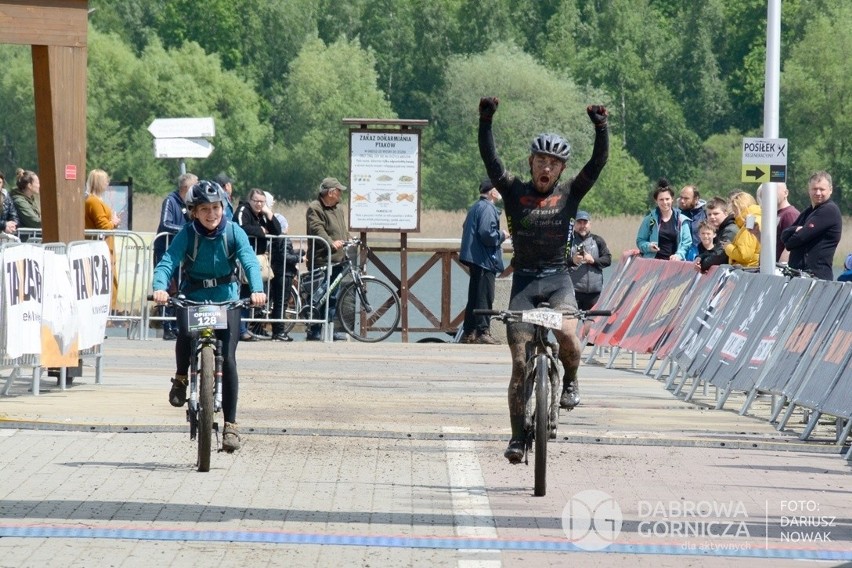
x=34 y=360
x=737 y=332
x=303 y=289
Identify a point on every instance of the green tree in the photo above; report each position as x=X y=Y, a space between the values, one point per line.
x=17 y=134
x=816 y=103
x=325 y=85
x=452 y=164
x=127 y=92
x=620 y=46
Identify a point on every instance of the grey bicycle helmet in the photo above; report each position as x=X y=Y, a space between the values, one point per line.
x=551 y=145
x=205 y=192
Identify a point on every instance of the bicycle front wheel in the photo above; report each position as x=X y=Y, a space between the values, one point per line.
x=542 y=411
x=369 y=312
x=205 y=410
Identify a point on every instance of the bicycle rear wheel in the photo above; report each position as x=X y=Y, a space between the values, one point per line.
x=205 y=410
x=542 y=410
x=369 y=312
x=292 y=309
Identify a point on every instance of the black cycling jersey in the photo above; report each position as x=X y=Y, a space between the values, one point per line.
x=541 y=224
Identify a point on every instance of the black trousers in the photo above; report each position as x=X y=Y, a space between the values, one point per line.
x=585 y=300
x=480 y=295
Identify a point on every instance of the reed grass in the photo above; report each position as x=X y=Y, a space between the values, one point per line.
x=618 y=232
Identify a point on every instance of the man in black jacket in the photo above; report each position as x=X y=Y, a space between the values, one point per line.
x=590 y=256
x=813 y=238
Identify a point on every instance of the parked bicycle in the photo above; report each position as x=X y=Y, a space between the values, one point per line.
x=204 y=399
x=368 y=309
x=542 y=375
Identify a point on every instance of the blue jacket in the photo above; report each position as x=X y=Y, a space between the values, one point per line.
x=649 y=233
x=173 y=216
x=697 y=215
x=482 y=237
x=211 y=261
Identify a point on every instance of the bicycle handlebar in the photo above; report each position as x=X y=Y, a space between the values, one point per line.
x=787 y=270
x=513 y=315
x=181 y=301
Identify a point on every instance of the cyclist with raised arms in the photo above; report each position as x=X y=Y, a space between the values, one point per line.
x=208 y=248
x=541 y=215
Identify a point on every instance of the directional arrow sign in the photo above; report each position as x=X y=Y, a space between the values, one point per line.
x=764 y=160
x=754 y=173
x=183 y=128
x=182 y=148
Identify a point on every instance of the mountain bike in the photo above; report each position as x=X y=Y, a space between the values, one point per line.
x=201 y=320
x=368 y=309
x=542 y=375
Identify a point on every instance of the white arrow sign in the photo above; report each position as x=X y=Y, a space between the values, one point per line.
x=183 y=128
x=182 y=148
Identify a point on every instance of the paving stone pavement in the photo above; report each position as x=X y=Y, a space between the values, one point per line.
x=391 y=455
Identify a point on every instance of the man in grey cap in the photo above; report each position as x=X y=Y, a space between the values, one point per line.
x=326 y=219
x=589 y=255
x=480 y=251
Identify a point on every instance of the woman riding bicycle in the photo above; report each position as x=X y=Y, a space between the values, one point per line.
x=208 y=248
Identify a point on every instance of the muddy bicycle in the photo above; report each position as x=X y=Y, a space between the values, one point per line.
x=542 y=375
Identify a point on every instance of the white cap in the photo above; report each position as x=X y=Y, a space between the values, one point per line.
x=269 y=199
x=282 y=220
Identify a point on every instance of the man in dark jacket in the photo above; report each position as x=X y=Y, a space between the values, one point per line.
x=590 y=256
x=813 y=238
x=174 y=214
x=481 y=253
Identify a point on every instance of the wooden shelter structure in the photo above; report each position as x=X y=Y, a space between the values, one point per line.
x=57 y=31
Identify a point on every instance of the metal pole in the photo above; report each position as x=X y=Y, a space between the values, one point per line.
x=769 y=202
x=182 y=166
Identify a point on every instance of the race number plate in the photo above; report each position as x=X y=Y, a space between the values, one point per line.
x=546 y=318
x=202 y=317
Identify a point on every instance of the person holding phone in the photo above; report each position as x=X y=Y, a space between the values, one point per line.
x=744 y=250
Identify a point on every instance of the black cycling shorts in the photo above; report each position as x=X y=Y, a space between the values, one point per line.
x=529 y=290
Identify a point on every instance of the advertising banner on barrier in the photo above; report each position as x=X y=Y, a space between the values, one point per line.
x=59 y=328
x=697 y=297
x=811 y=328
x=626 y=301
x=784 y=315
x=829 y=362
x=838 y=401
x=757 y=306
x=699 y=328
x=663 y=302
x=23 y=290
x=91 y=272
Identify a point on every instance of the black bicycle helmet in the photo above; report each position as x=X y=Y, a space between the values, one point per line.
x=205 y=192
x=551 y=145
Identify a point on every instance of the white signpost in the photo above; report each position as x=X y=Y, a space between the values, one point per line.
x=182 y=148
x=182 y=138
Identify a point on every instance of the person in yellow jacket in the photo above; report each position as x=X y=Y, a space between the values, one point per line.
x=744 y=250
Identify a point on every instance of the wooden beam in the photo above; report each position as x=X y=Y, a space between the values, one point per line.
x=59 y=74
x=44 y=22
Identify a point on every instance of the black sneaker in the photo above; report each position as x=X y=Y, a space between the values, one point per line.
x=570 y=395
x=281 y=337
x=515 y=452
x=177 y=394
x=169 y=335
x=231 y=438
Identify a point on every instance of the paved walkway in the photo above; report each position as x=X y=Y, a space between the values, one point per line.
x=391 y=455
